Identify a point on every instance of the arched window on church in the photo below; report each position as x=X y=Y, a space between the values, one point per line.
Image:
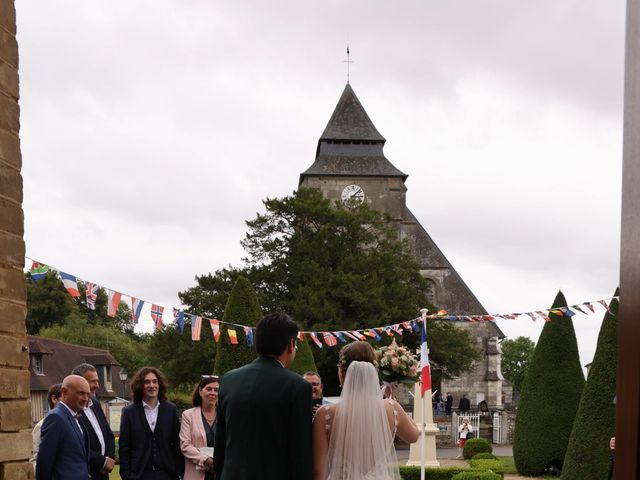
x=431 y=291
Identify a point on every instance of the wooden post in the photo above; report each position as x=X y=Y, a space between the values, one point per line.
x=628 y=379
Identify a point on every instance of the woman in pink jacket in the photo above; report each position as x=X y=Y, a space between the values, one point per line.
x=198 y=430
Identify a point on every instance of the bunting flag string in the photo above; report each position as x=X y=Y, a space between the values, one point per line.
x=39 y=270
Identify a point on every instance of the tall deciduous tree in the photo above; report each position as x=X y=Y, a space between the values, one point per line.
x=242 y=309
x=516 y=357
x=331 y=268
x=550 y=397
x=588 y=452
x=48 y=303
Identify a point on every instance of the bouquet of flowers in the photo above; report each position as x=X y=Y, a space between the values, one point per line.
x=397 y=364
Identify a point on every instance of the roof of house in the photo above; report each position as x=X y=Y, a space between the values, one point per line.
x=60 y=358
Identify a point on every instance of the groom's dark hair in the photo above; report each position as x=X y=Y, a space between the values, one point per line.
x=273 y=334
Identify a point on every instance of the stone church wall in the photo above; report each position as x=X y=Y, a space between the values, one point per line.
x=15 y=418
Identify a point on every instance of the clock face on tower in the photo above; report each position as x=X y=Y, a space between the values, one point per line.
x=352 y=195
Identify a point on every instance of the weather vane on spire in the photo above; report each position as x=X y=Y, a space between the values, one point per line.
x=347 y=61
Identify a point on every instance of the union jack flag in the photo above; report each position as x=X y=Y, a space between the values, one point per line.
x=156 y=315
x=91 y=294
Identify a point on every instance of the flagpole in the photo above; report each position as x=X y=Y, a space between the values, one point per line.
x=423 y=442
x=423 y=446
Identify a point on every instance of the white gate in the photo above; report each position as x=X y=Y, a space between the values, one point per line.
x=474 y=421
x=497 y=428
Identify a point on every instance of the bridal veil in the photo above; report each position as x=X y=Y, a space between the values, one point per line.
x=361 y=442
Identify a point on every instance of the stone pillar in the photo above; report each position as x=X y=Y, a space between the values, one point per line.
x=494 y=376
x=431 y=430
x=15 y=410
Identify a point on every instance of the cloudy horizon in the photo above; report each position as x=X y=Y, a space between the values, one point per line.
x=152 y=130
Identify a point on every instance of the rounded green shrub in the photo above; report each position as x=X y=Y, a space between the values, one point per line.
x=477 y=475
x=475 y=446
x=484 y=456
x=487 y=464
x=550 y=395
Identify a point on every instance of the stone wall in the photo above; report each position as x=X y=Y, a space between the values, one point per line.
x=15 y=418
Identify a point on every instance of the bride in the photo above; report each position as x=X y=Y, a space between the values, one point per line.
x=353 y=439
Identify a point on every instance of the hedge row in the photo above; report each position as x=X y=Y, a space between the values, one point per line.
x=482 y=471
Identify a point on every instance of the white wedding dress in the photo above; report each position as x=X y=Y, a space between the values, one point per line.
x=360 y=437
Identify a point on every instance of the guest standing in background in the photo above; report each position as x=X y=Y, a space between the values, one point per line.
x=149 y=431
x=53 y=397
x=198 y=429
x=102 y=444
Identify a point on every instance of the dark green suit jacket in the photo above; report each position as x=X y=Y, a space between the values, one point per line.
x=263 y=427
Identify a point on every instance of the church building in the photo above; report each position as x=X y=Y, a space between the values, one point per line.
x=350 y=166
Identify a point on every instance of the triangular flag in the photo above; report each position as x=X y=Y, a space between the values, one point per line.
x=70 y=282
x=113 y=302
x=215 y=328
x=340 y=336
x=577 y=307
x=300 y=336
x=589 y=306
x=314 y=337
x=233 y=338
x=358 y=335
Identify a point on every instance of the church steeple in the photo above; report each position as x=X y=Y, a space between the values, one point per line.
x=350 y=144
x=350 y=121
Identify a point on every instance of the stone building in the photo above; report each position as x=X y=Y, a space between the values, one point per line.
x=350 y=166
x=15 y=411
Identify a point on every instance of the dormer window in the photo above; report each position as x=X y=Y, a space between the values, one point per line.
x=36 y=364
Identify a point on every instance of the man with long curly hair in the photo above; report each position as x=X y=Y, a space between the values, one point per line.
x=149 y=431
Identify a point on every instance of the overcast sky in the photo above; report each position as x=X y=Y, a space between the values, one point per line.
x=151 y=130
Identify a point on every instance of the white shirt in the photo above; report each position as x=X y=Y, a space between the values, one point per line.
x=91 y=416
x=151 y=413
x=74 y=416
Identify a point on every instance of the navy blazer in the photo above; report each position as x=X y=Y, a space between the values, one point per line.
x=64 y=449
x=96 y=459
x=135 y=441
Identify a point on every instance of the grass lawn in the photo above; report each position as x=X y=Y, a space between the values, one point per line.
x=508 y=464
x=115 y=473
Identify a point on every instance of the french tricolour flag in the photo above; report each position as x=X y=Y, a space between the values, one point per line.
x=70 y=283
x=424 y=361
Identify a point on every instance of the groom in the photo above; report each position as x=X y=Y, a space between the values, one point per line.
x=263 y=428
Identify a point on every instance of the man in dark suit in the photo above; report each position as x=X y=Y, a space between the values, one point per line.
x=64 y=449
x=448 y=404
x=464 y=405
x=263 y=429
x=102 y=445
x=149 y=431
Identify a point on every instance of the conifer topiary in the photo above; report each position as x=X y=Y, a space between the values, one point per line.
x=550 y=396
x=304 y=361
x=588 y=452
x=243 y=309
